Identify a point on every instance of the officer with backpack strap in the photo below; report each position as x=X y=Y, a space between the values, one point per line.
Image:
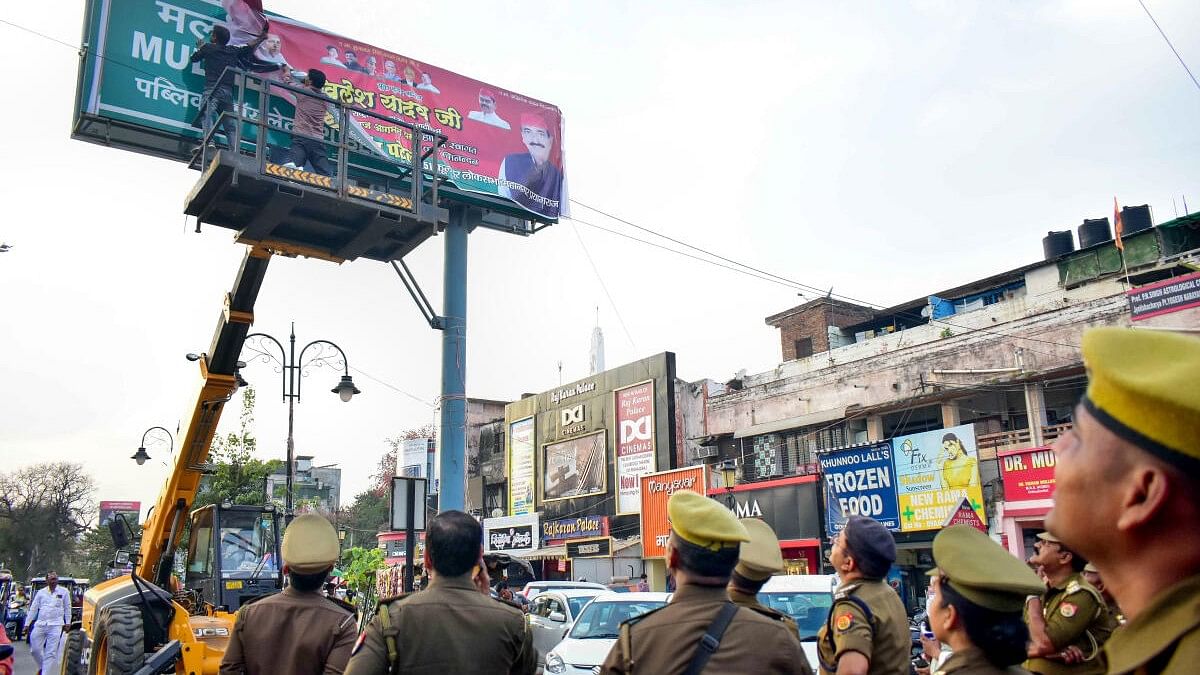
x=758 y=560
x=454 y=626
x=700 y=630
x=866 y=632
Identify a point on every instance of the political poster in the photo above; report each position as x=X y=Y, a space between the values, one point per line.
x=522 y=473
x=656 y=489
x=137 y=72
x=110 y=509
x=635 y=442
x=935 y=471
x=860 y=482
x=576 y=467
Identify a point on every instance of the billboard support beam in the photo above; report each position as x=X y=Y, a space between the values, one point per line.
x=452 y=438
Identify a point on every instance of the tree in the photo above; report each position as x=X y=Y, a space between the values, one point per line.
x=371 y=510
x=239 y=477
x=95 y=552
x=43 y=510
x=361 y=565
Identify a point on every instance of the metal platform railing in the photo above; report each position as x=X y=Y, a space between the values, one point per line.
x=362 y=168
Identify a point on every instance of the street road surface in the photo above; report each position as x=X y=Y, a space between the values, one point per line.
x=22 y=660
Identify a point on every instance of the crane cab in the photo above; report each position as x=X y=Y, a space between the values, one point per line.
x=233 y=555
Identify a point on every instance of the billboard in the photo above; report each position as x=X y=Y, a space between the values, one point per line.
x=655 y=489
x=109 y=510
x=935 y=471
x=790 y=506
x=511 y=534
x=138 y=90
x=860 y=481
x=1028 y=474
x=575 y=467
x=635 y=442
x=521 y=470
x=573 y=528
x=414 y=457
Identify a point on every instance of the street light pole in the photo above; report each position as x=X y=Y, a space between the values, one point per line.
x=141 y=455
x=291 y=367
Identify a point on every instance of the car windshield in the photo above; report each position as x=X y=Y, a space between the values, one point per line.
x=576 y=603
x=808 y=609
x=603 y=619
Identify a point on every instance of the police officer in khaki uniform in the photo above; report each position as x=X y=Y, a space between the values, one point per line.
x=700 y=630
x=979 y=590
x=867 y=629
x=758 y=560
x=298 y=631
x=1126 y=480
x=1067 y=614
x=453 y=626
x=1112 y=618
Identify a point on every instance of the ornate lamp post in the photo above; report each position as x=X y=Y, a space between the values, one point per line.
x=293 y=367
x=141 y=455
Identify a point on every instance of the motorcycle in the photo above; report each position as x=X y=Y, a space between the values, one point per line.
x=14 y=624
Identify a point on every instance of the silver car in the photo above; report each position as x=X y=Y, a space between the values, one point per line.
x=551 y=613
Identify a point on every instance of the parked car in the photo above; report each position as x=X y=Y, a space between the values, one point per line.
x=806 y=598
x=532 y=588
x=551 y=613
x=595 y=631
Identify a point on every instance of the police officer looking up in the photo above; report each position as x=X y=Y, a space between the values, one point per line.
x=454 y=626
x=867 y=629
x=298 y=631
x=1126 y=484
x=1066 y=614
x=700 y=630
x=979 y=590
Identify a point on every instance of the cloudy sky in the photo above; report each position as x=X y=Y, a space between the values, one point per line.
x=885 y=149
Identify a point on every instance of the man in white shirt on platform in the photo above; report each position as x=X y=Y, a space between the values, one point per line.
x=51 y=610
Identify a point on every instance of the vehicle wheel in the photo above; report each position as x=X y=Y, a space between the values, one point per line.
x=71 y=662
x=119 y=645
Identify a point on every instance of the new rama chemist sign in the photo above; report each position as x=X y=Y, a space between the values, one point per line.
x=860 y=481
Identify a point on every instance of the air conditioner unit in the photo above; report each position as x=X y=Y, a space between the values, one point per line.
x=706 y=451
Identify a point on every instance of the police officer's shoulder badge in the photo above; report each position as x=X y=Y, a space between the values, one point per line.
x=1067 y=609
x=844 y=621
x=1073 y=587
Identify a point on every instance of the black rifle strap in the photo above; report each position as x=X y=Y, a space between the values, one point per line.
x=712 y=639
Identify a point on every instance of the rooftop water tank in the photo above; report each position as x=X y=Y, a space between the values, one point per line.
x=1135 y=219
x=1057 y=244
x=1094 y=231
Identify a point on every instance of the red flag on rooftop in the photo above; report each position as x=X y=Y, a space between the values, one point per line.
x=1118 y=226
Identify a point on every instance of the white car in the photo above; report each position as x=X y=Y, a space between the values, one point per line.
x=595 y=631
x=552 y=612
x=532 y=588
x=806 y=598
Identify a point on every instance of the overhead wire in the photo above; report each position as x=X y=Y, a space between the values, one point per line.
x=600 y=278
x=1169 y=44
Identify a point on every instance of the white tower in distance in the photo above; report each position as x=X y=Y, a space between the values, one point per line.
x=596 y=358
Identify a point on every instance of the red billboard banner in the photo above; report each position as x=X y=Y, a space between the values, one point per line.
x=635 y=442
x=500 y=142
x=656 y=489
x=1028 y=474
x=110 y=509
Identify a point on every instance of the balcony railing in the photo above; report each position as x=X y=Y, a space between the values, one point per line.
x=1020 y=437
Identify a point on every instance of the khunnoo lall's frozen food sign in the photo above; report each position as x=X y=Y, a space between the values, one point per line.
x=138 y=90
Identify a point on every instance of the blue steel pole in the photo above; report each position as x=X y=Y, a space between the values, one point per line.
x=453 y=437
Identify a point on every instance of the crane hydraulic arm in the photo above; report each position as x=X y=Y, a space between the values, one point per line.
x=218 y=370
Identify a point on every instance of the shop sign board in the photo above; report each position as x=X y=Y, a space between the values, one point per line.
x=790 y=509
x=635 y=442
x=599 y=547
x=965 y=515
x=135 y=72
x=656 y=488
x=860 y=482
x=574 y=528
x=1028 y=474
x=511 y=534
x=414 y=457
x=935 y=471
x=521 y=467
x=1164 y=297
x=575 y=467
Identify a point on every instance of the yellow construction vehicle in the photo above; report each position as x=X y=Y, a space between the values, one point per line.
x=153 y=621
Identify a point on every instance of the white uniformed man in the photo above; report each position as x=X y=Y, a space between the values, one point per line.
x=51 y=609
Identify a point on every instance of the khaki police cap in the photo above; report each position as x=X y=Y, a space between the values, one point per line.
x=1142 y=387
x=1046 y=536
x=1091 y=568
x=981 y=571
x=310 y=545
x=760 y=557
x=704 y=522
